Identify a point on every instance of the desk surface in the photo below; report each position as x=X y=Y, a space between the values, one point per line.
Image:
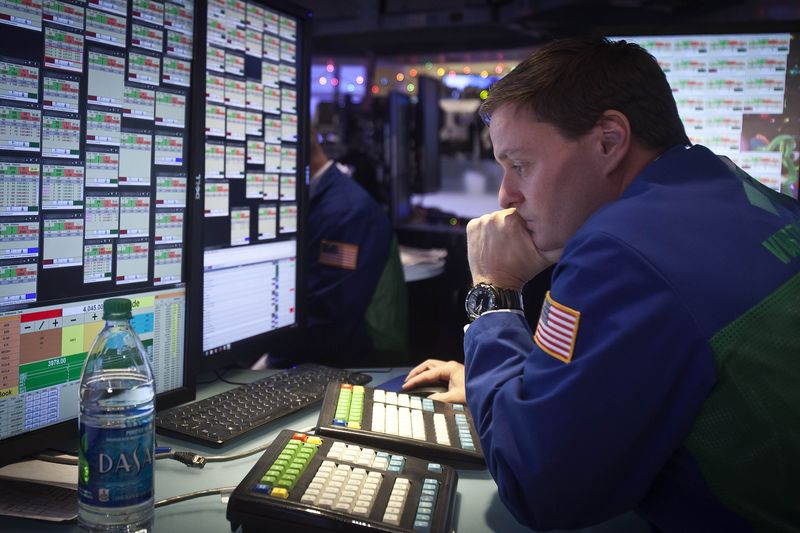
x=478 y=507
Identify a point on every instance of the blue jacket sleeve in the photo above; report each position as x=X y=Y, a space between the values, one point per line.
x=573 y=444
x=338 y=296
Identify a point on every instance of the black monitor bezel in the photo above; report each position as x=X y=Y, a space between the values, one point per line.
x=251 y=347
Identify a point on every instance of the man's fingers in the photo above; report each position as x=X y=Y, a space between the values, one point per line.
x=422 y=367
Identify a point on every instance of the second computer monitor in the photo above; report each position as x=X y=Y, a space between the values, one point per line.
x=253 y=168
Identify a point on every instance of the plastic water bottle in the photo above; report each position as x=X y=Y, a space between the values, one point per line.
x=117 y=432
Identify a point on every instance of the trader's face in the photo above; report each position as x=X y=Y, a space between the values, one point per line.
x=553 y=182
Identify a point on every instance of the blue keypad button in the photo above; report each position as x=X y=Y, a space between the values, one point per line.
x=423 y=526
x=435 y=467
x=339 y=422
x=425 y=498
x=261 y=487
x=458 y=407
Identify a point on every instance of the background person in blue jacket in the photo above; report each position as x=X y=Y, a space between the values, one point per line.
x=663 y=375
x=356 y=298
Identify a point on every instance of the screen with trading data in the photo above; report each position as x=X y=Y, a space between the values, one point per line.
x=739 y=95
x=94 y=99
x=253 y=170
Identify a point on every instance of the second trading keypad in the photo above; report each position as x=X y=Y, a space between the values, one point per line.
x=311 y=482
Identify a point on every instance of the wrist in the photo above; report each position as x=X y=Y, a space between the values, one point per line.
x=498 y=281
x=485 y=297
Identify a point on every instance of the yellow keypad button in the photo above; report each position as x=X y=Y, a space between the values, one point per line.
x=316 y=441
x=354 y=425
x=279 y=493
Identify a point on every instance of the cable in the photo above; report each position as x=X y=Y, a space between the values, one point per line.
x=193 y=495
x=232 y=457
x=229 y=382
x=73 y=460
x=191 y=459
x=218 y=377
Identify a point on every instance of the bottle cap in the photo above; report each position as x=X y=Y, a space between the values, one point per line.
x=117 y=309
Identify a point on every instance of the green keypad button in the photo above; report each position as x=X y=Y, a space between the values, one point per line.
x=290 y=464
x=349 y=406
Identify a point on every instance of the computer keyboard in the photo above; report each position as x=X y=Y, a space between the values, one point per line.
x=222 y=418
x=309 y=483
x=433 y=430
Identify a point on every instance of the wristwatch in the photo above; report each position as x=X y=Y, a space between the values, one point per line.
x=485 y=297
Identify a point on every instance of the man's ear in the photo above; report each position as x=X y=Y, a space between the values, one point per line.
x=615 y=137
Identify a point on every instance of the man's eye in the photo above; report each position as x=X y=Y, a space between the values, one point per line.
x=518 y=169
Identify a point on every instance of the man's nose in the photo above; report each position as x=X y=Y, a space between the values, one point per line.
x=509 y=195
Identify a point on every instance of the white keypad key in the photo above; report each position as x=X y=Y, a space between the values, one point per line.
x=440 y=429
x=336 y=450
x=404 y=422
x=391 y=420
x=378 y=418
x=378 y=395
x=417 y=424
x=361 y=510
x=391 y=398
x=397 y=500
x=403 y=400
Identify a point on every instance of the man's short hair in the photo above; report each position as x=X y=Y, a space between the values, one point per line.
x=570 y=83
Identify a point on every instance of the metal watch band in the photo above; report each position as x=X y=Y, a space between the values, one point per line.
x=509 y=299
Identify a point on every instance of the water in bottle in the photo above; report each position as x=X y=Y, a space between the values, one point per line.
x=117 y=432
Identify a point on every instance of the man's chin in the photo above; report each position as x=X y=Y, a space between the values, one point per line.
x=547 y=250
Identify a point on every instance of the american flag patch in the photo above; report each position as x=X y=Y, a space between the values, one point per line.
x=338 y=254
x=557 y=329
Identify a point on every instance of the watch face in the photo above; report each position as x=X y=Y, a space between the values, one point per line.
x=480 y=299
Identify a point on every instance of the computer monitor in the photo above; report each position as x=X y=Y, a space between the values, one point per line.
x=428 y=120
x=93 y=200
x=738 y=95
x=399 y=146
x=254 y=116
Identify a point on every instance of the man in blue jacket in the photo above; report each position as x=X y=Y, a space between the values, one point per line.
x=663 y=374
x=356 y=304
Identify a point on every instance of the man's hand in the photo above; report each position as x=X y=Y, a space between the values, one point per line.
x=434 y=371
x=501 y=250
